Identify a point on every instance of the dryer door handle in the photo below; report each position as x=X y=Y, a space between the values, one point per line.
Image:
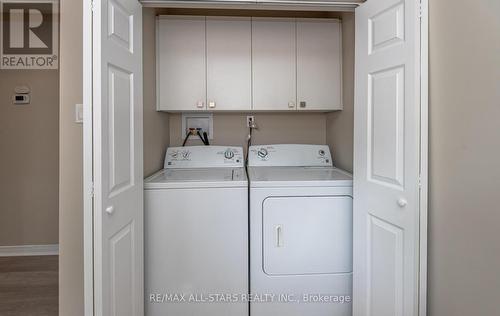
x=279 y=235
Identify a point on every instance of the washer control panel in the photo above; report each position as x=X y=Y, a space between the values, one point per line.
x=292 y=155
x=204 y=157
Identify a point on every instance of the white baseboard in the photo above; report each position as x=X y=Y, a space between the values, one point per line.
x=29 y=250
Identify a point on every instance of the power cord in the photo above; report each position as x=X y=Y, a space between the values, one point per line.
x=186 y=138
x=251 y=127
x=196 y=132
x=205 y=136
x=201 y=137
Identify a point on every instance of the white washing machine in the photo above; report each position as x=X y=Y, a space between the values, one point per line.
x=300 y=232
x=196 y=233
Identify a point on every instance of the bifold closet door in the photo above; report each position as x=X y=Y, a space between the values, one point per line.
x=274 y=64
x=181 y=63
x=229 y=63
x=386 y=164
x=117 y=140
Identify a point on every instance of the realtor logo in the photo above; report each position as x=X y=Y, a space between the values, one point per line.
x=29 y=35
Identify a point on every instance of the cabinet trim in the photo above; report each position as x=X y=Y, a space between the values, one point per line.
x=342 y=6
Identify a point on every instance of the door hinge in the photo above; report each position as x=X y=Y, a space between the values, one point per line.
x=92 y=191
x=92 y=6
x=420 y=10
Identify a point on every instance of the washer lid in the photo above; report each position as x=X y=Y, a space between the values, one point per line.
x=197 y=178
x=298 y=176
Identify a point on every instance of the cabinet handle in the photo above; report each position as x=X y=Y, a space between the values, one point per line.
x=200 y=104
x=291 y=104
x=211 y=104
x=302 y=104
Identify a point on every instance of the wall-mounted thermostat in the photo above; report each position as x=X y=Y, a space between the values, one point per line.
x=21 y=95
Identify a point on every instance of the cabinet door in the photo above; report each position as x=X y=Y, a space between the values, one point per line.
x=319 y=60
x=274 y=64
x=181 y=63
x=229 y=63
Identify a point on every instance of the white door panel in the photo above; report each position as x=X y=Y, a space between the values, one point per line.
x=274 y=64
x=229 y=63
x=386 y=163
x=118 y=173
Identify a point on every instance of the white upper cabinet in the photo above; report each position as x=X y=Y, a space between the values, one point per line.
x=274 y=64
x=229 y=63
x=244 y=64
x=181 y=63
x=319 y=64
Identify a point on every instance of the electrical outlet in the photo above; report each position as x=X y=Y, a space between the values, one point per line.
x=250 y=121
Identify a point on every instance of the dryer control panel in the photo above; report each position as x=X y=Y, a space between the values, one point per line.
x=204 y=157
x=290 y=155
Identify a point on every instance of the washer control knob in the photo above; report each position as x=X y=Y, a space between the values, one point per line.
x=229 y=154
x=262 y=153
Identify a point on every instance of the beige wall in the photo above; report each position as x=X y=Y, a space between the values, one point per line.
x=464 y=212
x=273 y=128
x=340 y=124
x=156 y=131
x=29 y=159
x=71 y=163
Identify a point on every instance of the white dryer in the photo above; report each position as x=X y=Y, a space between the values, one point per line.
x=300 y=232
x=196 y=233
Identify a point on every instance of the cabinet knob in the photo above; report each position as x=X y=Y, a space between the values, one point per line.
x=200 y=104
x=302 y=104
x=291 y=104
x=211 y=104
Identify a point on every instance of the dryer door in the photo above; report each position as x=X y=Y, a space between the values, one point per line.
x=307 y=235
